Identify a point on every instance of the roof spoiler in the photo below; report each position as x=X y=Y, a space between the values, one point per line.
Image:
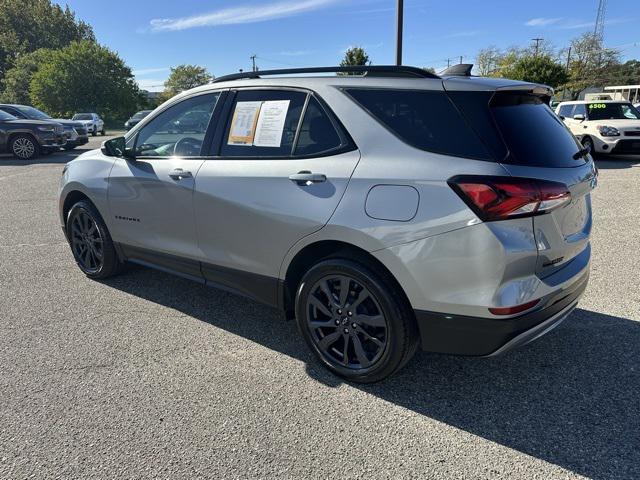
x=458 y=70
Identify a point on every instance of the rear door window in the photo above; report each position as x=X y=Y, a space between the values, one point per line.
x=534 y=135
x=263 y=123
x=425 y=119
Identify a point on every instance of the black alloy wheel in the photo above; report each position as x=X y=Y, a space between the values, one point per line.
x=355 y=320
x=91 y=242
x=86 y=243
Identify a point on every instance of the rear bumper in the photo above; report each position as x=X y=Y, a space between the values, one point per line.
x=462 y=335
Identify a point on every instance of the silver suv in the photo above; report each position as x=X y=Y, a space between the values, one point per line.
x=382 y=211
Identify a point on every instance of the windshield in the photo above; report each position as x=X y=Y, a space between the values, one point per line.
x=33 y=113
x=6 y=116
x=141 y=114
x=613 y=111
x=82 y=116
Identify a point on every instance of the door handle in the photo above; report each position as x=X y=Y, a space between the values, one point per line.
x=305 y=178
x=179 y=174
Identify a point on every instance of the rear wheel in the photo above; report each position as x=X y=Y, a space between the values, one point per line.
x=24 y=147
x=102 y=132
x=91 y=242
x=355 y=321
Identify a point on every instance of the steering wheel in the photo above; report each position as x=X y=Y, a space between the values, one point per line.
x=187 y=147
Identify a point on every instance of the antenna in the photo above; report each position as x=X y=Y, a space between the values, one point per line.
x=598 y=31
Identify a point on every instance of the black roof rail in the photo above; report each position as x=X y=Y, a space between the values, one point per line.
x=368 y=70
x=459 y=70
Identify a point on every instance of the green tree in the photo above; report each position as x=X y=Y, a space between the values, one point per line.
x=590 y=63
x=28 y=25
x=184 y=77
x=488 y=60
x=17 y=79
x=84 y=77
x=537 y=69
x=355 y=56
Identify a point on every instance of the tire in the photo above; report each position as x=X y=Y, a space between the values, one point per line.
x=102 y=132
x=372 y=319
x=588 y=142
x=24 y=147
x=98 y=258
x=94 y=132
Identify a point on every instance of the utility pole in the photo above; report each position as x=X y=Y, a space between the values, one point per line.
x=460 y=58
x=448 y=62
x=253 y=59
x=568 y=58
x=399 y=22
x=537 y=40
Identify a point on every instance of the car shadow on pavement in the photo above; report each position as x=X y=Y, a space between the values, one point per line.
x=616 y=162
x=572 y=398
x=57 y=158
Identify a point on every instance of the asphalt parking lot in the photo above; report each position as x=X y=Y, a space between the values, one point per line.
x=148 y=375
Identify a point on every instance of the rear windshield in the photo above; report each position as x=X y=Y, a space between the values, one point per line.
x=612 y=111
x=424 y=119
x=534 y=135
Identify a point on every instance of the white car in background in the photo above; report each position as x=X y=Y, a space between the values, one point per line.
x=605 y=126
x=92 y=122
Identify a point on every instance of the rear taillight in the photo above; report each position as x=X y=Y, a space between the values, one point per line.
x=500 y=198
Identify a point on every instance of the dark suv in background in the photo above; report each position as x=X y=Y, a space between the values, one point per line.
x=26 y=139
x=136 y=118
x=75 y=132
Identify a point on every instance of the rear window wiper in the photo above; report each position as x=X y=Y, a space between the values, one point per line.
x=581 y=153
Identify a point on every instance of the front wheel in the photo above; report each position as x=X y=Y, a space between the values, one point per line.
x=587 y=142
x=91 y=242
x=24 y=147
x=356 y=322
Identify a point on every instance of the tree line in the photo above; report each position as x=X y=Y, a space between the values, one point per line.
x=51 y=60
x=586 y=62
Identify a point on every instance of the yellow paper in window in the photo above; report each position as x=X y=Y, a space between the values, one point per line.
x=243 y=123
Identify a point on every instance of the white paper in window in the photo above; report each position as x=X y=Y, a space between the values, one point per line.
x=271 y=123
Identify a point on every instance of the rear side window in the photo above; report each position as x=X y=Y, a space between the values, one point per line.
x=263 y=123
x=534 y=135
x=317 y=134
x=424 y=119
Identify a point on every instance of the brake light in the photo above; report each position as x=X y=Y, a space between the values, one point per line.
x=514 y=310
x=500 y=198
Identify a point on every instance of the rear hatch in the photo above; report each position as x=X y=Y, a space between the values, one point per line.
x=531 y=142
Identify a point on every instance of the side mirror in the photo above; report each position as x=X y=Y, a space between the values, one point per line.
x=580 y=117
x=117 y=147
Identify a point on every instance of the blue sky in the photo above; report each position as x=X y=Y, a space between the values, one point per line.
x=153 y=35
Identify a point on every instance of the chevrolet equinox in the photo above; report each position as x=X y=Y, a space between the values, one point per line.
x=384 y=208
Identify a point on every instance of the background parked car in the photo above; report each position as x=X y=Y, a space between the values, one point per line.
x=91 y=122
x=604 y=126
x=136 y=118
x=74 y=132
x=26 y=139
